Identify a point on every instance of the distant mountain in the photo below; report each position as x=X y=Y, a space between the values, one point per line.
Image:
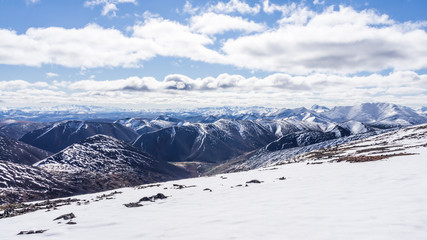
x=422 y=111
x=356 y=127
x=305 y=138
x=66 y=112
x=212 y=142
x=143 y=125
x=385 y=114
x=319 y=109
x=376 y=113
x=60 y=135
x=15 y=151
x=16 y=129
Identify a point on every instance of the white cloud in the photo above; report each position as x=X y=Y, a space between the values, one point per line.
x=51 y=74
x=303 y=41
x=318 y=2
x=270 y=8
x=130 y=84
x=170 y=38
x=21 y=84
x=278 y=90
x=89 y=47
x=109 y=6
x=234 y=6
x=273 y=82
x=212 y=23
x=334 y=41
x=188 y=8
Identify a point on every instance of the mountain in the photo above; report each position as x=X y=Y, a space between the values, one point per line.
x=60 y=135
x=143 y=125
x=305 y=138
x=387 y=114
x=370 y=189
x=96 y=164
x=356 y=127
x=19 y=182
x=299 y=149
x=15 y=151
x=376 y=114
x=288 y=148
x=107 y=155
x=16 y=129
x=205 y=142
x=422 y=111
x=319 y=109
x=296 y=113
x=66 y=112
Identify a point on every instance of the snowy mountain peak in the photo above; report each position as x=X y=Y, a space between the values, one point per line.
x=378 y=113
x=319 y=109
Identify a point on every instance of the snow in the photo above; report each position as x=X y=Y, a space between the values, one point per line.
x=373 y=200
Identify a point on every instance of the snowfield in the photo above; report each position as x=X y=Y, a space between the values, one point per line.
x=384 y=199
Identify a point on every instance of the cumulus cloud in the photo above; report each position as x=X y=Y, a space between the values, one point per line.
x=270 y=8
x=212 y=23
x=170 y=38
x=91 y=46
x=279 y=90
x=318 y=2
x=303 y=41
x=94 y=46
x=334 y=41
x=188 y=8
x=130 y=84
x=273 y=82
x=234 y=6
x=109 y=7
x=51 y=75
x=21 y=84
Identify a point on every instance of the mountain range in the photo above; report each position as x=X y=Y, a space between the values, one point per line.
x=83 y=156
x=372 y=188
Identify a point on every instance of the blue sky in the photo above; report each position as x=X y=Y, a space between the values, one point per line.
x=181 y=53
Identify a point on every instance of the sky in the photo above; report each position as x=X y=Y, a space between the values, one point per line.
x=185 y=54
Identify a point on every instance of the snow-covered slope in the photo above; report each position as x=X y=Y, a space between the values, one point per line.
x=19 y=182
x=142 y=125
x=363 y=200
x=59 y=135
x=390 y=144
x=356 y=127
x=107 y=155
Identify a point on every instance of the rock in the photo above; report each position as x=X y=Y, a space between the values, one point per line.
x=132 y=205
x=67 y=216
x=71 y=223
x=254 y=181
x=179 y=186
x=148 y=186
x=31 y=232
x=282 y=178
x=153 y=198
